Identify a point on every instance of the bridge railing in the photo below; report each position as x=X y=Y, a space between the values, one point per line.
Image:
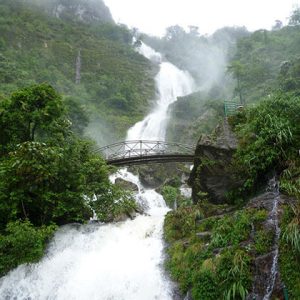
x=142 y=148
x=231 y=107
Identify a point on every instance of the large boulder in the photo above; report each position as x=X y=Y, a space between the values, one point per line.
x=126 y=185
x=154 y=175
x=212 y=173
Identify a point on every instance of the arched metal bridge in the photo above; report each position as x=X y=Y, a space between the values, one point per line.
x=143 y=152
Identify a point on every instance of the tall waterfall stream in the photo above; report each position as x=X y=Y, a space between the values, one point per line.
x=273 y=218
x=113 y=261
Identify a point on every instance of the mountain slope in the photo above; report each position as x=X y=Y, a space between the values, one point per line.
x=91 y=64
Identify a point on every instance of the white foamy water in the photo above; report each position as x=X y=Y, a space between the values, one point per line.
x=186 y=191
x=114 y=261
x=96 y=262
x=121 y=261
x=171 y=83
x=273 y=218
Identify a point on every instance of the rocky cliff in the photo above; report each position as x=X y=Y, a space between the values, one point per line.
x=212 y=173
x=87 y=11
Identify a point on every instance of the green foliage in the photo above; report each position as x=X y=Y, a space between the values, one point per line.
x=291 y=232
x=47 y=175
x=22 y=243
x=269 y=136
x=239 y=72
x=171 y=195
x=192 y=259
x=196 y=114
x=234 y=268
x=295 y=17
x=113 y=203
x=263 y=241
x=45 y=180
x=289 y=256
x=179 y=46
x=37 y=109
x=289 y=76
x=236 y=290
x=260 y=58
x=206 y=286
x=116 y=82
x=181 y=223
x=233 y=229
x=290 y=178
x=77 y=114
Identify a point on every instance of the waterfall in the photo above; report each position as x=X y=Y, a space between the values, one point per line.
x=273 y=218
x=110 y=261
x=78 y=68
x=171 y=83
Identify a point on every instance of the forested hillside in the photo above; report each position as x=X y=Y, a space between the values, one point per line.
x=68 y=71
x=48 y=175
x=261 y=59
x=240 y=239
x=64 y=68
x=85 y=57
x=230 y=64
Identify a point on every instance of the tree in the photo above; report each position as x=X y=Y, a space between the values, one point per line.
x=238 y=71
x=34 y=111
x=77 y=115
x=174 y=33
x=295 y=17
x=47 y=174
x=278 y=25
x=289 y=76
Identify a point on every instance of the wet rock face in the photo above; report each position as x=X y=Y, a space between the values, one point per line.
x=126 y=185
x=263 y=264
x=149 y=180
x=156 y=175
x=87 y=11
x=212 y=173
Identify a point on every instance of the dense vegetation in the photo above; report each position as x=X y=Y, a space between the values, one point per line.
x=223 y=246
x=194 y=115
x=206 y=58
x=209 y=254
x=48 y=176
x=230 y=64
x=110 y=82
x=212 y=249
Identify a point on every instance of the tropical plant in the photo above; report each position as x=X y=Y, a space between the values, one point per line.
x=291 y=233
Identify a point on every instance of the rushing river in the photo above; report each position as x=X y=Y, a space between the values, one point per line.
x=115 y=261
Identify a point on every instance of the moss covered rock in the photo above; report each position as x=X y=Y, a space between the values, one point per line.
x=212 y=173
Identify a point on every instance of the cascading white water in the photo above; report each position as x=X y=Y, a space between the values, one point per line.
x=273 y=217
x=171 y=83
x=114 y=261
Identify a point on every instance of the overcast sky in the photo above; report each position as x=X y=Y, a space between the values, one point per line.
x=153 y=16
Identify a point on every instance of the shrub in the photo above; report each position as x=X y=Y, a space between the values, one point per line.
x=268 y=137
x=22 y=243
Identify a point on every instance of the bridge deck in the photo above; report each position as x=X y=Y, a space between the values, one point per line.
x=144 y=152
x=139 y=160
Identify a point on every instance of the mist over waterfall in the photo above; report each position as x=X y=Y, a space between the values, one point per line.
x=171 y=83
x=111 y=261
